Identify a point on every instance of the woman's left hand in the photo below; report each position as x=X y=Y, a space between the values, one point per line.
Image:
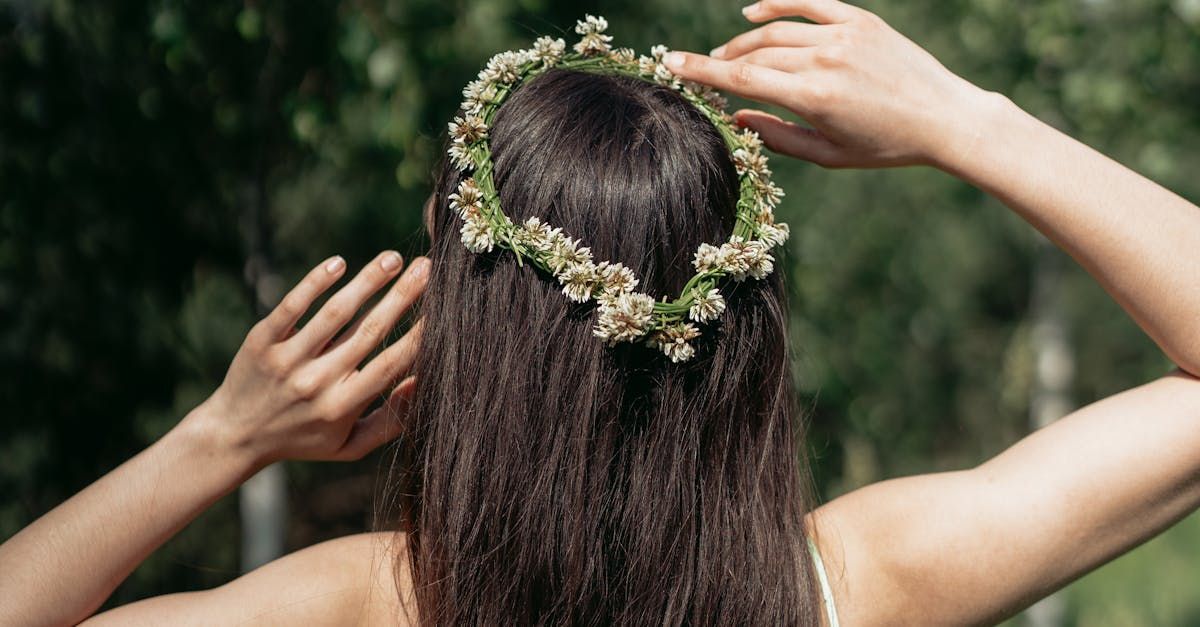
x=299 y=393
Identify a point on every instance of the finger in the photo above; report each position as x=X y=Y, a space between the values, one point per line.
x=789 y=60
x=790 y=138
x=398 y=288
x=342 y=306
x=368 y=331
x=278 y=324
x=380 y=426
x=775 y=34
x=744 y=79
x=388 y=366
x=819 y=11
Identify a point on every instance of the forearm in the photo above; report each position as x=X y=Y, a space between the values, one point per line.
x=1140 y=241
x=61 y=568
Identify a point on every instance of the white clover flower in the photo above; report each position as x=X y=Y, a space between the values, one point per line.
x=591 y=24
x=706 y=306
x=468 y=129
x=505 y=67
x=593 y=45
x=708 y=257
x=739 y=257
x=768 y=194
x=735 y=255
x=774 y=234
x=477 y=234
x=657 y=52
x=718 y=102
x=752 y=163
x=763 y=214
x=713 y=98
x=578 y=281
x=594 y=41
x=476 y=88
x=666 y=77
x=477 y=94
x=615 y=278
x=624 y=318
x=537 y=234
x=624 y=56
x=646 y=65
x=535 y=226
x=548 y=50
x=749 y=139
x=673 y=341
x=460 y=157
x=681 y=351
x=565 y=251
x=467 y=200
x=710 y=96
x=762 y=265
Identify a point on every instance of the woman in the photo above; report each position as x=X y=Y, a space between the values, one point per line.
x=545 y=476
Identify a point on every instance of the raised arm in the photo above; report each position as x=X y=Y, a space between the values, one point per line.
x=875 y=99
x=974 y=546
x=289 y=394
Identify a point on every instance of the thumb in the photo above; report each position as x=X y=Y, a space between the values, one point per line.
x=790 y=138
x=380 y=426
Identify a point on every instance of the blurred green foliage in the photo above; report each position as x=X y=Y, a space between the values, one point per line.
x=157 y=156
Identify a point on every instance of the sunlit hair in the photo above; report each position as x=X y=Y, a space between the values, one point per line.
x=545 y=478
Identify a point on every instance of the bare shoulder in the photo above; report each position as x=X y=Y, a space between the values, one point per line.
x=853 y=544
x=821 y=527
x=347 y=581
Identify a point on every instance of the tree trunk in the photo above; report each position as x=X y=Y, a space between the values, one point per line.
x=262 y=500
x=1050 y=397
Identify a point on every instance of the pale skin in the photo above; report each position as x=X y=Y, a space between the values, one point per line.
x=964 y=547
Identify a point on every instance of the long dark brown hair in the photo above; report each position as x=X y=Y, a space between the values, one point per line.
x=545 y=478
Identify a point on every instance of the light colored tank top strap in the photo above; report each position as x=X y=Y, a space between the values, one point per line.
x=826 y=591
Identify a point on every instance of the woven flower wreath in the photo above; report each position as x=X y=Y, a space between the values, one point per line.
x=626 y=315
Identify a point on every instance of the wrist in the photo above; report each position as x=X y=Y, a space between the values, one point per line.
x=971 y=117
x=204 y=433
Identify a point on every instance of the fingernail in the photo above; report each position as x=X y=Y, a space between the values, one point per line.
x=335 y=265
x=420 y=267
x=717 y=52
x=750 y=8
x=673 y=60
x=390 y=261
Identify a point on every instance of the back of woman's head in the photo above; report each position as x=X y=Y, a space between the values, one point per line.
x=548 y=478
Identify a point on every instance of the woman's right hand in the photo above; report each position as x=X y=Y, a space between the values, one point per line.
x=299 y=393
x=872 y=96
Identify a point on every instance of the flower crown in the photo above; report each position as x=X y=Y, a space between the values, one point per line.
x=625 y=315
